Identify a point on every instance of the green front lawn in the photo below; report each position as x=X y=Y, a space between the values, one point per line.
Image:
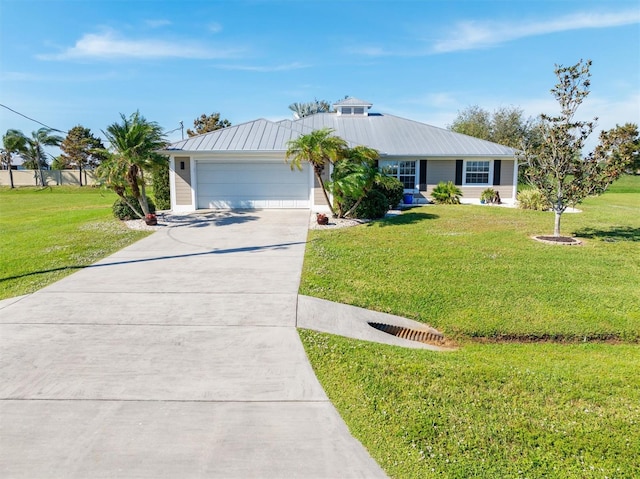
x=528 y=393
x=474 y=271
x=49 y=233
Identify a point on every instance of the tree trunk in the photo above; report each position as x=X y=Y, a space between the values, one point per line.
x=132 y=179
x=40 y=172
x=80 y=172
x=556 y=226
x=11 y=176
x=144 y=204
x=324 y=191
x=357 y=203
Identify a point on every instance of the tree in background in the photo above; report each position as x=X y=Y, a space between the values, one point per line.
x=506 y=126
x=207 y=123
x=319 y=148
x=473 y=121
x=13 y=141
x=555 y=164
x=32 y=150
x=300 y=110
x=81 y=150
x=623 y=142
x=134 y=143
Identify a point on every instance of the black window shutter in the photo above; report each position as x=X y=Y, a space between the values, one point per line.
x=496 y=172
x=423 y=175
x=459 y=165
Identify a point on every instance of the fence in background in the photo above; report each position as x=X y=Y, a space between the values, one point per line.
x=51 y=177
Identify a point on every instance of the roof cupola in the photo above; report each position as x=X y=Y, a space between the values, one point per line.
x=352 y=107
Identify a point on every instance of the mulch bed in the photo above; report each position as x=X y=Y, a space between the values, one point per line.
x=561 y=240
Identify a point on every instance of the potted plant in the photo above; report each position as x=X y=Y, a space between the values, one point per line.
x=490 y=196
x=322 y=219
x=151 y=219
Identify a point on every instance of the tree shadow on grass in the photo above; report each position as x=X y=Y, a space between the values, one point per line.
x=405 y=219
x=617 y=233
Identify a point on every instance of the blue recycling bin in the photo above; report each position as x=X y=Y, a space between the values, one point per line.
x=407 y=198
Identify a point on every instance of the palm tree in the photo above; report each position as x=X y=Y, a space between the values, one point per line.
x=13 y=141
x=318 y=148
x=300 y=110
x=134 y=143
x=33 y=150
x=354 y=176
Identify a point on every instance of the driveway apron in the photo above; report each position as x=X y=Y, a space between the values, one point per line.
x=175 y=357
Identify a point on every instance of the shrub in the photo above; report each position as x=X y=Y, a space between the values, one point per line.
x=392 y=188
x=446 y=193
x=386 y=193
x=122 y=211
x=374 y=205
x=161 y=189
x=532 y=199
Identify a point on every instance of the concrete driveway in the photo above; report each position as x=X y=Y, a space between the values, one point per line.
x=175 y=357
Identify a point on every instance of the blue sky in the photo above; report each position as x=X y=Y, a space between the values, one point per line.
x=66 y=63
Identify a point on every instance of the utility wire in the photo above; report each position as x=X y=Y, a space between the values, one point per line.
x=28 y=118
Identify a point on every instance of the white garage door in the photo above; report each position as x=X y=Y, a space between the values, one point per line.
x=252 y=185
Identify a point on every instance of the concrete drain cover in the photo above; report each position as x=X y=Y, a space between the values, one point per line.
x=423 y=336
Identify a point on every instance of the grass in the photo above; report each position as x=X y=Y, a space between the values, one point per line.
x=49 y=233
x=474 y=271
x=534 y=389
x=487 y=410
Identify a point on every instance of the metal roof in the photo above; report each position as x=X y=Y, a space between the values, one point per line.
x=390 y=135
x=351 y=101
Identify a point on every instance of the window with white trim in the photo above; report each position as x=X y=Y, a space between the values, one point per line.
x=405 y=171
x=477 y=172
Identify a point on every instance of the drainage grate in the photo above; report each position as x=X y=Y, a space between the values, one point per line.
x=423 y=336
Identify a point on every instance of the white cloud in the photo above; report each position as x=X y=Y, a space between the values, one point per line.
x=472 y=35
x=265 y=68
x=214 y=27
x=369 y=51
x=111 y=45
x=157 y=23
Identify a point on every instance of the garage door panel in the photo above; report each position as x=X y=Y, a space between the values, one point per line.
x=252 y=185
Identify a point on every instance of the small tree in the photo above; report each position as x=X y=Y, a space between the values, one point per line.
x=13 y=141
x=207 y=123
x=33 y=151
x=134 y=143
x=81 y=149
x=354 y=176
x=319 y=148
x=555 y=164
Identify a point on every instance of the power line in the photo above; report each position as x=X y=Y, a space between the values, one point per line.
x=29 y=118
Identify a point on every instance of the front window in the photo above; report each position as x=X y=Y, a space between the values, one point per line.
x=405 y=171
x=477 y=172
